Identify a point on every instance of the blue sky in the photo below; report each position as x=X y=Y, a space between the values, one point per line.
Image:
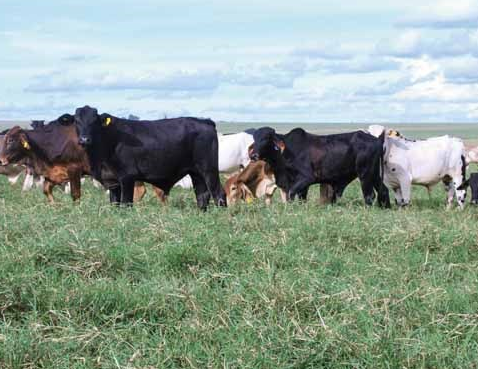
x=262 y=60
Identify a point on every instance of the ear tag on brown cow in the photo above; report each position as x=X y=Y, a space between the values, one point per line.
x=249 y=200
x=107 y=121
x=25 y=145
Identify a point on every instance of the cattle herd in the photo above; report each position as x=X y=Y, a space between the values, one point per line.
x=122 y=155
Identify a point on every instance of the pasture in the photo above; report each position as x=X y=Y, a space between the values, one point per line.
x=285 y=286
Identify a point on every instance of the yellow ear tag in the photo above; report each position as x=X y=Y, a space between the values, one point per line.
x=107 y=121
x=249 y=200
x=25 y=145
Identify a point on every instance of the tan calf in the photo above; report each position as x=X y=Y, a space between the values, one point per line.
x=255 y=181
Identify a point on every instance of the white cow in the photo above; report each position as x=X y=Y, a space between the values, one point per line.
x=233 y=153
x=425 y=163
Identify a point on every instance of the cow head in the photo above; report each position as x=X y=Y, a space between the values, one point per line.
x=267 y=146
x=15 y=146
x=236 y=190
x=86 y=121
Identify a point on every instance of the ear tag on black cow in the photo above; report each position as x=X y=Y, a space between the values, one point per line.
x=25 y=145
x=276 y=148
x=107 y=121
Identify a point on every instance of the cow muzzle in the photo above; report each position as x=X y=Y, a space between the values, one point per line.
x=3 y=161
x=84 y=140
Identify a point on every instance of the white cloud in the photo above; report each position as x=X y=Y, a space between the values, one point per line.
x=444 y=14
x=414 y=43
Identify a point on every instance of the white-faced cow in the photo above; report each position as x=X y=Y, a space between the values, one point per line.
x=255 y=181
x=426 y=163
x=300 y=159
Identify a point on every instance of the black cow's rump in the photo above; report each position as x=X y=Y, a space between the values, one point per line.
x=158 y=152
x=300 y=159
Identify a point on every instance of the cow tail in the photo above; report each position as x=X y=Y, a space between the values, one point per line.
x=463 y=169
x=383 y=150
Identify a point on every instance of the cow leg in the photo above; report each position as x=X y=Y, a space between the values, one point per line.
x=214 y=186
x=139 y=191
x=67 y=188
x=115 y=195
x=200 y=189
x=161 y=195
x=383 y=197
x=326 y=194
x=283 y=195
x=367 y=191
x=75 y=184
x=302 y=195
x=39 y=181
x=48 y=189
x=429 y=190
x=300 y=188
x=28 y=181
x=13 y=179
x=127 y=190
x=450 y=195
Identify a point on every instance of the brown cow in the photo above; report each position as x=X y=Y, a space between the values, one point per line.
x=255 y=181
x=12 y=171
x=52 y=151
x=140 y=191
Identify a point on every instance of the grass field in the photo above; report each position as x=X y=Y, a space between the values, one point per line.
x=285 y=286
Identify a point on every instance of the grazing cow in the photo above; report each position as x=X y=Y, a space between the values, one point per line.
x=52 y=151
x=425 y=163
x=473 y=183
x=300 y=159
x=158 y=152
x=255 y=181
x=233 y=154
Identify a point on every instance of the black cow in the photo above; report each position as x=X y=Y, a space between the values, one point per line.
x=300 y=159
x=35 y=124
x=158 y=152
x=473 y=183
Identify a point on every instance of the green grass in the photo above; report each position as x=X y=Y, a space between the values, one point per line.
x=285 y=286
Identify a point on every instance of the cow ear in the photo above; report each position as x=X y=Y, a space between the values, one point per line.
x=66 y=119
x=106 y=120
x=24 y=141
x=246 y=193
